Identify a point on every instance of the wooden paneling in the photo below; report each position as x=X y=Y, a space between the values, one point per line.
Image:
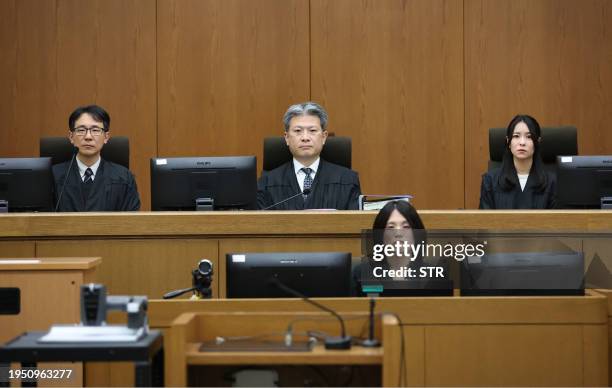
x=17 y=249
x=548 y=58
x=227 y=71
x=391 y=75
x=57 y=55
x=138 y=267
x=504 y=355
x=416 y=84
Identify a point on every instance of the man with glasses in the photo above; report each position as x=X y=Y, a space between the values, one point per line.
x=88 y=182
x=323 y=185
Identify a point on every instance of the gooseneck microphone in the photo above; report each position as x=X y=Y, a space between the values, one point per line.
x=342 y=342
x=75 y=151
x=371 y=342
x=305 y=192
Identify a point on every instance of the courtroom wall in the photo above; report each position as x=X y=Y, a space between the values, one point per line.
x=415 y=83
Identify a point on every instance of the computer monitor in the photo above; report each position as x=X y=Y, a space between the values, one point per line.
x=26 y=184
x=523 y=273
x=583 y=181
x=204 y=183
x=314 y=274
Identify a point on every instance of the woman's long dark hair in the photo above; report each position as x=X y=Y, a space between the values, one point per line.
x=406 y=210
x=508 y=178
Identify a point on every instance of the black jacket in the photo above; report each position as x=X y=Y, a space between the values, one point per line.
x=492 y=196
x=334 y=187
x=114 y=189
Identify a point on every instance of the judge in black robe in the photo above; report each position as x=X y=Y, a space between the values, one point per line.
x=113 y=189
x=493 y=196
x=501 y=188
x=107 y=187
x=333 y=187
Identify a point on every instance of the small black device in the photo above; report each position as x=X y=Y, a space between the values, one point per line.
x=201 y=279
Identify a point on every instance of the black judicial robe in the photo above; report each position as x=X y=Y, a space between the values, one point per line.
x=113 y=189
x=492 y=196
x=334 y=187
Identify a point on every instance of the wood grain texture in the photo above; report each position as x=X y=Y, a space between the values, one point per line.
x=227 y=71
x=137 y=267
x=10 y=249
x=547 y=58
x=390 y=74
x=60 y=54
x=329 y=225
x=478 y=341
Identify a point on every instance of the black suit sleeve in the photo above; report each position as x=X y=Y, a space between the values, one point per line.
x=263 y=196
x=355 y=192
x=486 y=193
x=131 y=200
x=552 y=195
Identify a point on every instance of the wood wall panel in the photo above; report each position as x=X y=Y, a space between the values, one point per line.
x=138 y=267
x=415 y=83
x=59 y=54
x=10 y=249
x=390 y=73
x=548 y=58
x=227 y=71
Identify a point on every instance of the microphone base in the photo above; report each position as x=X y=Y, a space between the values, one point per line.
x=338 y=343
x=370 y=343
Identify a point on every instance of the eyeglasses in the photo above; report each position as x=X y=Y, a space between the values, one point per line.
x=95 y=131
x=299 y=131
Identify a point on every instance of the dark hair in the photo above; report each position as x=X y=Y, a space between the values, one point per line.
x=408 y=212
x=405 y=209
x=97 y=112
x=508 y=178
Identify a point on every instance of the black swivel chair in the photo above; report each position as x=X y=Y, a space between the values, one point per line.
x=555 y=141
x=337 y=149
x=117 y=150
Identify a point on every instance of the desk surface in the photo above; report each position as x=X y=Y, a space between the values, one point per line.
x=49 y=263
x=283 y=223
x=357 y=355
x=25 y=348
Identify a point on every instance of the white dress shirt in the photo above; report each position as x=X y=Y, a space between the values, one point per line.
x=301 y=175
x=83 y=168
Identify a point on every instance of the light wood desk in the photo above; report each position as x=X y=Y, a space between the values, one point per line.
x=189 y=330
x=50 y=294
x=152 y=253
x=468 y=341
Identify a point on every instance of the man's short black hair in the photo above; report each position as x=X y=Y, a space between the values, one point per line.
x=97 y=112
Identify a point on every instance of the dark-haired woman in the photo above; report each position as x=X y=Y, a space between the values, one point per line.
x=396 y=221
x=521 y=182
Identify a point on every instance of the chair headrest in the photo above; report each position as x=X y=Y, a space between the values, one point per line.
x=337 y=150
x=116 y=150
x=555 y=141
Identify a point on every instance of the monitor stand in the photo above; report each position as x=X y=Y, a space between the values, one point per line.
x=606 y=202
x=204 y=204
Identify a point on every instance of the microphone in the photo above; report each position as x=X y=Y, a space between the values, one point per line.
x=343 y=342
x=371 y=342
x=305 y=192
x=75 y=151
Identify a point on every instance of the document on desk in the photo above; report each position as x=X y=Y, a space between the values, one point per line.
x=89 y=334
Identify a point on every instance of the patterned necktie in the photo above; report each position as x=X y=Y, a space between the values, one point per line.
x=307 y=180
x=88 y=176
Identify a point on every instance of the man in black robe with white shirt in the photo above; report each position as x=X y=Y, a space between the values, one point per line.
x=92 y=183
x=328 y=185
